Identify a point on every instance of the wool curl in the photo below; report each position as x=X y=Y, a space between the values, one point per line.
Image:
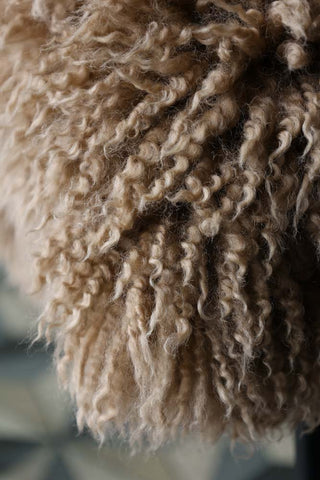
x=159 y=176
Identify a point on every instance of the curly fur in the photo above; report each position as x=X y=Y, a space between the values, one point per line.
x=159 y=181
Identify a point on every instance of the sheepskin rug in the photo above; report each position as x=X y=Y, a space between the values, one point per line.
x=159 y=179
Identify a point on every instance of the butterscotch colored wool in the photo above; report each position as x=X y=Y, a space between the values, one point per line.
x=159 y=179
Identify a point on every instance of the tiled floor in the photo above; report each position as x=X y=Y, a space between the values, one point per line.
x=38 y=438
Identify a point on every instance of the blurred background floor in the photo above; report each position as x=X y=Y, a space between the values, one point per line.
x=39 y=439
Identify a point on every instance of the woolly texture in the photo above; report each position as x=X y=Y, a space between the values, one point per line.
x=159 y=181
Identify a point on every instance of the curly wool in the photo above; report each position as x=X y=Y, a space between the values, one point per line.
x=160 y=191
